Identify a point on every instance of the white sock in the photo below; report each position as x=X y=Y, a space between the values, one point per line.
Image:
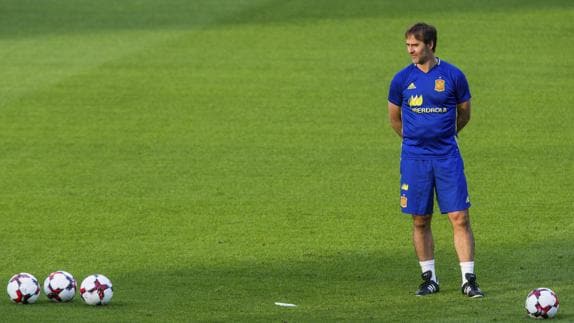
x=466 y=268
x=429 y=265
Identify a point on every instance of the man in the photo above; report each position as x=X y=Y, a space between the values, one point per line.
x=429 y=103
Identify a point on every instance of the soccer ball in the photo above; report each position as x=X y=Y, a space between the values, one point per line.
x=60 y=286
x=542 y=303
x=96 y=290
x=23 y=288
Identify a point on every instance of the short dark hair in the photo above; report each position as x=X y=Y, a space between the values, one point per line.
x=423 y=32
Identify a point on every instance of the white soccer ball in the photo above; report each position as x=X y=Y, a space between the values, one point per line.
x=542 y=303
x=96 y=290
x=23 y=288
x=60 y=286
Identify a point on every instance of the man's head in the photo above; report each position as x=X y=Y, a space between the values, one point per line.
x=421 y=42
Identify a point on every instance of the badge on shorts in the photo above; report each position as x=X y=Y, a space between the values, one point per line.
x=403 y=201
x=439 y=85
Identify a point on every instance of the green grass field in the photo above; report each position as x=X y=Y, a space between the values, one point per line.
x=212 y=157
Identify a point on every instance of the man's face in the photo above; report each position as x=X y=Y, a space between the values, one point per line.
x=420 y=53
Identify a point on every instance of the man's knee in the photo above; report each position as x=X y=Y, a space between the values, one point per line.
x=459 y=219
x=422 y=222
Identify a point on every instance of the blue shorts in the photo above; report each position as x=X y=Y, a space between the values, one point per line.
x=420 y=179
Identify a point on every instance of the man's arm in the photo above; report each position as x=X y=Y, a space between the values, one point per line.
x=462 y=115
x=395 y=118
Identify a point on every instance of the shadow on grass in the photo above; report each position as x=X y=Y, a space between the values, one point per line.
x=29 y=18
x=343 y=286
x=248 y=291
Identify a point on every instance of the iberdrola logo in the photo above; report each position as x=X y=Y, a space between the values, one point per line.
x=416 y=100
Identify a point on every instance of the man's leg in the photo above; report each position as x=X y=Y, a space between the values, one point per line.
x=424 y=249
x=462 y=233
x=464 y=246
x=422 y=237
x=417 y=197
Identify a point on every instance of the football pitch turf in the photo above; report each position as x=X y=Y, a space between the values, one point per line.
x=214 y=157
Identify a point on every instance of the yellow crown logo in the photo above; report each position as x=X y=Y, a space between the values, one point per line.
x=416 y=100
